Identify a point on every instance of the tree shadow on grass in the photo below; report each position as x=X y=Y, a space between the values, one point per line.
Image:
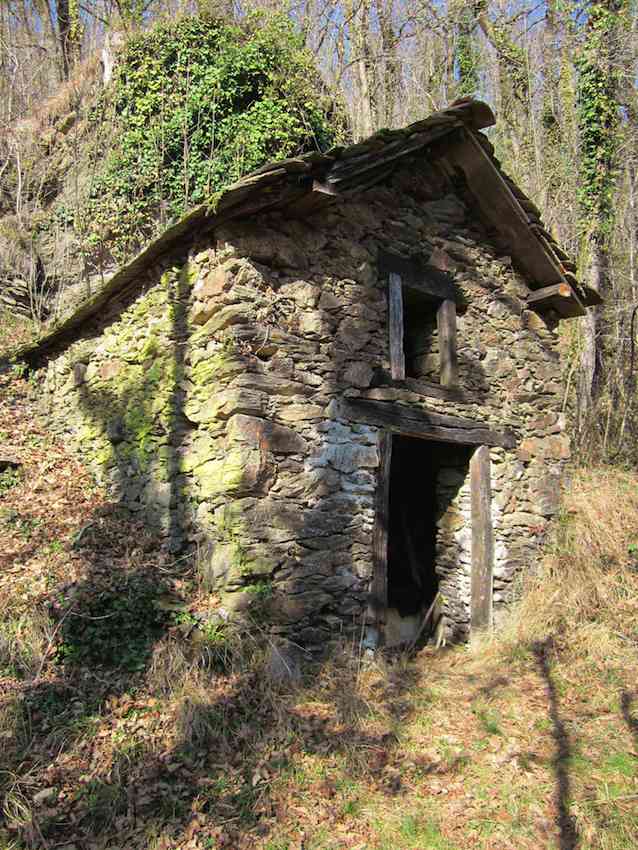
x=630 y=714
x=102 y=632
x=218 y=780
x=568 y=837
x=143 y=736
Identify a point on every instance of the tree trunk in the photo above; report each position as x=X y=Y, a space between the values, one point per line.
x=359 y=34
x=69 y=33
x=388 y=65
x=598 y=117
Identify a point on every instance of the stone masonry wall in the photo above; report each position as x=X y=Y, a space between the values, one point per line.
x=453 y=555
x=209 y=399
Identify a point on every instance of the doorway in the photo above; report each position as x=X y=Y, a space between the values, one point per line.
x=428 y=509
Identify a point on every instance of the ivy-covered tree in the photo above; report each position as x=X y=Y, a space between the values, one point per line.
x=67 y=14
x=467 y=54
x=598 y=116
x=197 y=104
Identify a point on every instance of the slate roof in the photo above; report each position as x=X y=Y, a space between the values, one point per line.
x=451 y=136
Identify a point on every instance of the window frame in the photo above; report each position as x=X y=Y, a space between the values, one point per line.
x=433 y=286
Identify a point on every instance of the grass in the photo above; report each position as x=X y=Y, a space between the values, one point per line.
x=176 y=736
x=23 y=643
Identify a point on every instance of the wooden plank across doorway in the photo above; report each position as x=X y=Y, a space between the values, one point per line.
x=482 y=541
x=411 y=422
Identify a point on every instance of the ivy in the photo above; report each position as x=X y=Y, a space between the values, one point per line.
x=467 y=56
x=198 y=103
x=598 y=118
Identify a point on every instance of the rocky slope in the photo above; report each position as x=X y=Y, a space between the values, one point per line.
x=46 y=167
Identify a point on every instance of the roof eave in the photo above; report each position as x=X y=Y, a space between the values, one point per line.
x=454 y=132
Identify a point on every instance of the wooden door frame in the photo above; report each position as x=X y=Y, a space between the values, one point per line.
x=482 y=570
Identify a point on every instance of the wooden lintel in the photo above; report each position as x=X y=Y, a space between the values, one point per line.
x=408 y=421
x=418 y=275
x=429 y=289
x=560 y=297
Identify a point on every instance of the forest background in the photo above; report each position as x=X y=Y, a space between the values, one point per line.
x=560 y=75
x=189 y=739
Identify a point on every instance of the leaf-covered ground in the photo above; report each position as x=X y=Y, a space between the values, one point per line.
x=126 y=723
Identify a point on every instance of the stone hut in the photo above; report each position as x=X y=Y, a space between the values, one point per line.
x=342 y=385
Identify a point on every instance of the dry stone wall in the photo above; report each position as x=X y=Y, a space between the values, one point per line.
x=208 y=399
x=453 y=554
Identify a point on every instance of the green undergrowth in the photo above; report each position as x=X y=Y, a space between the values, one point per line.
x=196 y=104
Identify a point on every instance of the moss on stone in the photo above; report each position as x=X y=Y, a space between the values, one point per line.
x=198 y=453
x=137 y=390
x=227 y=474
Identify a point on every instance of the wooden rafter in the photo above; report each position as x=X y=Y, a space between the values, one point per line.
x=560 y=297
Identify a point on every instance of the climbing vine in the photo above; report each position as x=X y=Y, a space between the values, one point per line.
x=467 y=58
x=197 y=104
x=598 y=117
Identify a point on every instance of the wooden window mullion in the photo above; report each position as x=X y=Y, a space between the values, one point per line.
x=446 y=323
x=395 y=306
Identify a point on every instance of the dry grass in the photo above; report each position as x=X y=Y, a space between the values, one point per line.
x=584 y=594
x=67 y=97
x=528 y=742
x=24 y=642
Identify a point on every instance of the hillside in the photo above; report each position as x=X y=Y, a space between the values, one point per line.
x=99 y=169
x=47 y=162
x=129 y=719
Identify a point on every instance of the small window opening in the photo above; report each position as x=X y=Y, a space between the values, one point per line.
x=422 y=329
x=425 y=478
x=420 y=337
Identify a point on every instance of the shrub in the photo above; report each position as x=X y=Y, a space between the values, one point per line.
x=198 y=103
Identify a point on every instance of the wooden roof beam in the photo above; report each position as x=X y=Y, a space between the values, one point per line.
x=560 y=297
x=502 y=210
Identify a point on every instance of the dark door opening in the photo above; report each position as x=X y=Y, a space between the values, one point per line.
x=425 y=478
